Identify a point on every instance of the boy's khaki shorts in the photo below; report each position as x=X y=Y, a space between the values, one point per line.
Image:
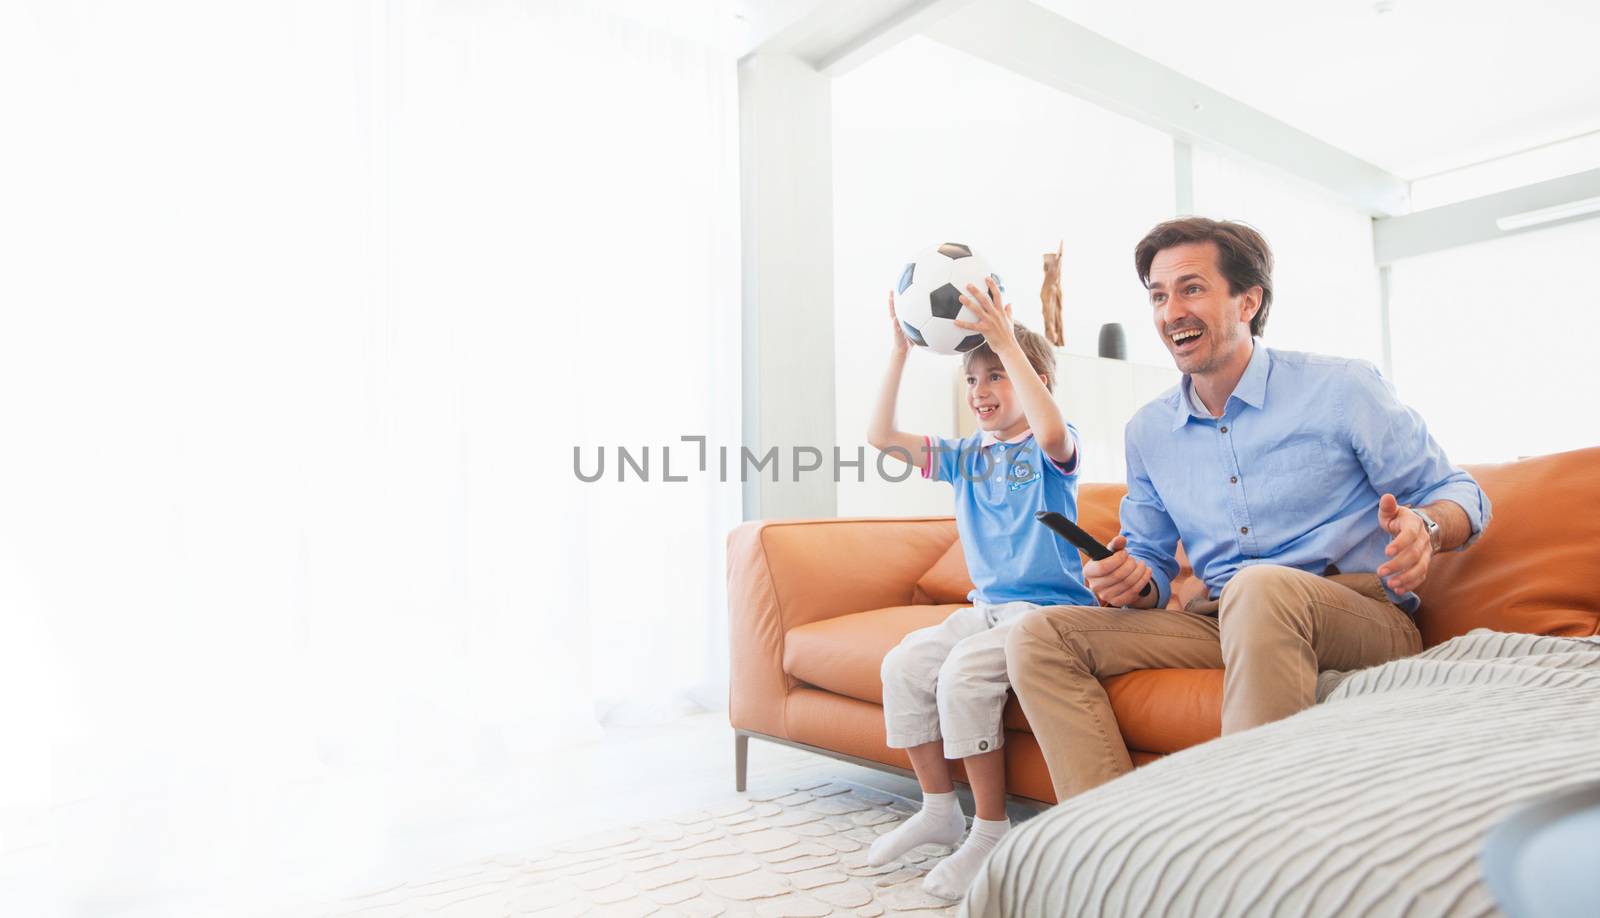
x=949 y=681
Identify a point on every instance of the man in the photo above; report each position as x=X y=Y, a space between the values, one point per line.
x=1309 y=501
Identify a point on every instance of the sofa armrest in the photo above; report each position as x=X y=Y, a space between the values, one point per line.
x=785 y=573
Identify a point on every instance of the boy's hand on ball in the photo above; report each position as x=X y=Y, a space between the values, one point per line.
x=993 y=321
x=1117 y=580
x=901 y=342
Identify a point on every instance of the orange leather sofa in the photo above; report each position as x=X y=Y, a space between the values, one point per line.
x=815 y=604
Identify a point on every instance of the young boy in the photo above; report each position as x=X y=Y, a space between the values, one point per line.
x=944 y=687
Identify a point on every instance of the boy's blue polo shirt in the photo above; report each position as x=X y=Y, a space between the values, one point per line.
x=1011 y=555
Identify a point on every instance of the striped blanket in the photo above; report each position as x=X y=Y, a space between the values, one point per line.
x=1375 y=802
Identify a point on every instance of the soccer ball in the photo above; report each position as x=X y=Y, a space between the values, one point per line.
x=928 y=297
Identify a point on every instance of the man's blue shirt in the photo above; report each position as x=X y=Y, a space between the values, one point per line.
x=1289 y=475
x=999 y=487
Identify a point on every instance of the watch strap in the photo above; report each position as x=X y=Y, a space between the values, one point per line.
x=1432 y=526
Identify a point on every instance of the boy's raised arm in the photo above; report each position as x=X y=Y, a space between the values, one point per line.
x=1044 y=415
x=882 y=432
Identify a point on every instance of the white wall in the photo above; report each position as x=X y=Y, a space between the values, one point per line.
x=1325 y=284
x=1100 y=396
x=1492 y=343
x=931 y=145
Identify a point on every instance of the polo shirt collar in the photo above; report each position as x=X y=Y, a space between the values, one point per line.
x=1251 y=389
x=989 y=439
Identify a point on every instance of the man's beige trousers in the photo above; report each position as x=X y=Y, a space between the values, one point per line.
x=1272 y=631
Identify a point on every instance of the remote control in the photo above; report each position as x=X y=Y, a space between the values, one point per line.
x=1084 y=542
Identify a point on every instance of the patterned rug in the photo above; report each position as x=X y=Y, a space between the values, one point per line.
x=787 y=855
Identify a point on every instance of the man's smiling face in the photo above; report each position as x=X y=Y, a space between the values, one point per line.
x=1202 y=324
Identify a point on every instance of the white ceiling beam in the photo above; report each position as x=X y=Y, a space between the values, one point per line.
x=1042 y=45
x=765 y=23
x=1478 y=220
x=834 y=36
x=910 y=19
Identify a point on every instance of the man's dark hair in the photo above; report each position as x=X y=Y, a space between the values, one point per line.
x=1243 y=257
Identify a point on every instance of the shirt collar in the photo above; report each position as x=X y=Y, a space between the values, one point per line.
x=989 y=439
x=1251 y=389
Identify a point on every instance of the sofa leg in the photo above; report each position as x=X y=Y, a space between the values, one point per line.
x=741 y=759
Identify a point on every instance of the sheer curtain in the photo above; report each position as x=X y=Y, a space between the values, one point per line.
x=306 y=307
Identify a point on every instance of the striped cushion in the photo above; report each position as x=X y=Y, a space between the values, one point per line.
x=1375 y=802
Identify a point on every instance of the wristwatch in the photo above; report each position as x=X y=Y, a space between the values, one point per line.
x=1433 y=528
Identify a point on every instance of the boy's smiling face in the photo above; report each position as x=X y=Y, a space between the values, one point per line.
x=992 y=401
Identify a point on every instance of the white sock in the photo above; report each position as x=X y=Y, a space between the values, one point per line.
x=939 y=822
x=955 y=873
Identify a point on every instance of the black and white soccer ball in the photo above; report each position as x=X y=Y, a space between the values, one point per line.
x=928 y=297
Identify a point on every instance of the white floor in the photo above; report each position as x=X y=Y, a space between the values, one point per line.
x=160 y=854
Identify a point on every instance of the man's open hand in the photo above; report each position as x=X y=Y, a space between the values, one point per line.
x=1409 y=549
x=1117 y=580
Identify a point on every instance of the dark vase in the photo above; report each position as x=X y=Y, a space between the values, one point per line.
x=1112 y=342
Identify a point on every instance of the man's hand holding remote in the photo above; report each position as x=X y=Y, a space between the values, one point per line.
x=1117 y=580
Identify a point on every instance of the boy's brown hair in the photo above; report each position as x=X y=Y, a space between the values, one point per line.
x=1041 y=356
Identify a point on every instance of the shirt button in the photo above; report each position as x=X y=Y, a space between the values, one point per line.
x=1224 y=430
x=1233 y=479
x=1244 y=530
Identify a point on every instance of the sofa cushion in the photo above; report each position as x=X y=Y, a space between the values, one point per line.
x=845 y=654
x=1158 y=711
x=1100 y=509
x=947 y=581
x=1536 y=569
x=1099 y=505
x=1167 y=710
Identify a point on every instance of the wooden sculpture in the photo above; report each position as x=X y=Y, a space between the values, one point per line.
x=1050 y=295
